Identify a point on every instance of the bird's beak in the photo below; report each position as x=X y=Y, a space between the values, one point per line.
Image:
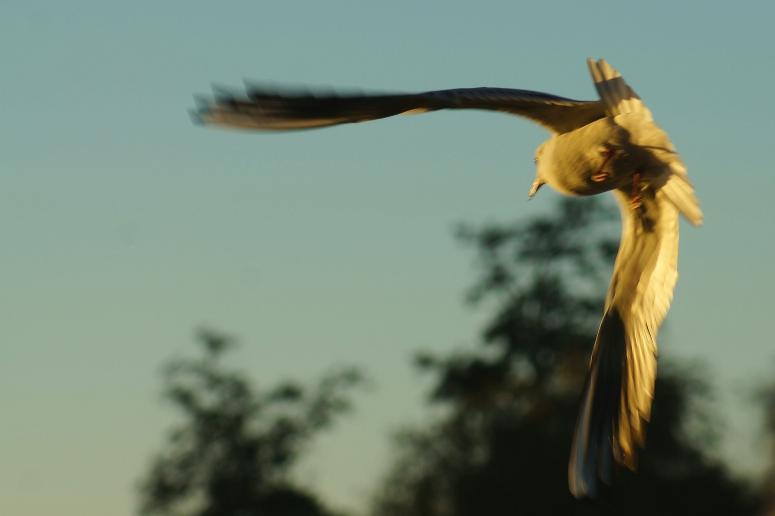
x=536 y=185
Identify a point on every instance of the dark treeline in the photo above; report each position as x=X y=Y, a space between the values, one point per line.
x=232 y=453
x=502 y=447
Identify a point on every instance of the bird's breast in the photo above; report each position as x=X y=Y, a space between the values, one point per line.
x=593 y=159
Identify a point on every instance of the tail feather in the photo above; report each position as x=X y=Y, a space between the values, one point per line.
x=679 y=190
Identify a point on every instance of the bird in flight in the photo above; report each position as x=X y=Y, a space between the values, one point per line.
x=611 y=144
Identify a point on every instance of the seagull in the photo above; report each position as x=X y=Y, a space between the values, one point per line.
x=596 y=146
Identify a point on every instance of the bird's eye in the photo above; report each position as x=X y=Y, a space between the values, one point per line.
x=535 y=160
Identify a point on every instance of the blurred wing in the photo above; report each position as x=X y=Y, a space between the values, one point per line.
x=264 y=109
x=615 y=94
x=617 y=397
x=644 y=278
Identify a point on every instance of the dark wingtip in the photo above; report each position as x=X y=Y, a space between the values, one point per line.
x=593 y=455
x=203 y=106
x=225 y=94
x=196 y=117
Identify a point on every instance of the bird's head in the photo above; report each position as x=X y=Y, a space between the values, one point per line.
x=539 y=181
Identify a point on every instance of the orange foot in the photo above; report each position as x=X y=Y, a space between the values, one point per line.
x=636 y=201
x=600 y=176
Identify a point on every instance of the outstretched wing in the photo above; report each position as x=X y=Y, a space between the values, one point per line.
x=617 y=397
x=272 y=110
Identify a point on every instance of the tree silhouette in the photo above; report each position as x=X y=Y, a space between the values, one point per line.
x=231 y=455
x=765 y=397
x=503 y=447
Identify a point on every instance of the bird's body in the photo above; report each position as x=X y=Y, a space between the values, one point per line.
x=567 y=162
x=596 y=146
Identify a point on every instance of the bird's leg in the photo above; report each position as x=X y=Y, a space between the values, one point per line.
x=600 y=176
x=636 y=201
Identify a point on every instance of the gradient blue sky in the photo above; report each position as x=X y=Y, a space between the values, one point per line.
x=124 y=227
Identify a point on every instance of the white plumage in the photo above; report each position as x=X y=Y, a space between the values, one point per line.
x=608 y=145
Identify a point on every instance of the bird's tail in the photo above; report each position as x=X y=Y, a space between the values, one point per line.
x=600 y=441
x=679 y=190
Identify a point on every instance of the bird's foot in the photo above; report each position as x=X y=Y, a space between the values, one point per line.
x=636 y=201
x=600 y=176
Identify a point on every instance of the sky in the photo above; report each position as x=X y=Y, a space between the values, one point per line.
x=124 y=228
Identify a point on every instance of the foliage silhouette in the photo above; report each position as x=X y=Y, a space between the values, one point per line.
x=764 y=396
x=503 y=447
x=232 y=454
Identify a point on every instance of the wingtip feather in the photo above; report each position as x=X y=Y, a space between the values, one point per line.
x=196 y=117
